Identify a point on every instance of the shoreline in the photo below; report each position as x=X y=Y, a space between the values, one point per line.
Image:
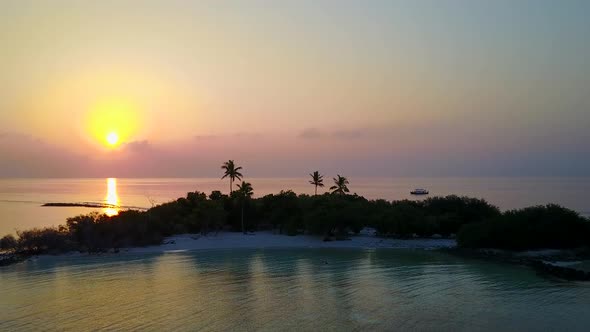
x=565 y=264
x=263 y=240
x=257 y=240
x=558 y=263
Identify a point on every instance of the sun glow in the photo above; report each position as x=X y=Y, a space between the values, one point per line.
x=112 y=198
x=112 y=139
x=113 y=122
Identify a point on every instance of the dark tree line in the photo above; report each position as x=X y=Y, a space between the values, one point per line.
x=332 y=216
x=537 y=227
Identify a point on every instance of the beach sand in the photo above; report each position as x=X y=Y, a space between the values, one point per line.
x=261 y=240
x=230 y=240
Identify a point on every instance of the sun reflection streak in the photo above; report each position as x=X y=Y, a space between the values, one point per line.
x=112 y=198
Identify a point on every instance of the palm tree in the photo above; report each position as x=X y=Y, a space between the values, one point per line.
x=232 y=172
x=317 y=180
x=340 y=186
x=245 y=191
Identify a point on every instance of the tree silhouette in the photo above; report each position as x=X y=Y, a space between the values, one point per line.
x=8 y=242
x=244 y=192
x=232 y=172
x=340 y=185
x=317 y=180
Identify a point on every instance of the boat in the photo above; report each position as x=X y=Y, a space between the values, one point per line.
x=419 y=192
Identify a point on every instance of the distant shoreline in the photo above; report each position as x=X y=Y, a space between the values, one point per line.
x=93 y=205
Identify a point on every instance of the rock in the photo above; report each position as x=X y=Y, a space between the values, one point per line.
x=563 y=272
x=369 y=231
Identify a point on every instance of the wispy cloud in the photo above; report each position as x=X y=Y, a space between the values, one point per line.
x=349 y=134
x=138 y=146
x=340 y=134
x=362 y=152
x=205 y=137
x=311 y=133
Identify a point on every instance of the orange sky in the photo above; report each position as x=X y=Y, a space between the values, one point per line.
x=387 y=87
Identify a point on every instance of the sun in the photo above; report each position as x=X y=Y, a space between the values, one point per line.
x=113 y=121
x=112 y=139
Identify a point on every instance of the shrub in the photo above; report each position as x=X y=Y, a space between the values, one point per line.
x=451 y=212
x=550 y=226
x=8 y=242
x=37 y=241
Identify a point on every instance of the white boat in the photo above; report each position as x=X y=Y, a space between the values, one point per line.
x=419 y=191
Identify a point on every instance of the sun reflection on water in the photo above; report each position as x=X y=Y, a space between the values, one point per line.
x=112 y=198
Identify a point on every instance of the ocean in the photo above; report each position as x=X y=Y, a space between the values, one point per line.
x=286 y=290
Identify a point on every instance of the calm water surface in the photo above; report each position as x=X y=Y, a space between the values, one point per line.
x=284 y=289
x=20 y=199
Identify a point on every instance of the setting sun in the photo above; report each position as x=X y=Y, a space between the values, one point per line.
x=112 y=139
x=113 y=121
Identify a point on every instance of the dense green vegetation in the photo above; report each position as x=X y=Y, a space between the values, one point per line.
x=550 y=226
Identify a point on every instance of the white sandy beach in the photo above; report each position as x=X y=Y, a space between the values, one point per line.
x=261 y=240
x=229 y=240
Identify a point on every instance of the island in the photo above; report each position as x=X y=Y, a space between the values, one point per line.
x=462 y=225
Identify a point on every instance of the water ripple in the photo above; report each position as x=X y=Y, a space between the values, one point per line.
x=285 y=290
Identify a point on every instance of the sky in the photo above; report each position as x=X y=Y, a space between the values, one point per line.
x=359 y=88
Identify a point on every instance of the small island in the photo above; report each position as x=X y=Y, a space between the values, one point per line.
x=474 y=226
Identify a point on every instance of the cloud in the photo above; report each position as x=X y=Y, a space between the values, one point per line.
x=340 y=134
x=26 y=156
x=348 y=134
x=247 y=135
x=310 y=133
x=361 y=152
x=138 y=146
x=205 y=137
x=237 y=135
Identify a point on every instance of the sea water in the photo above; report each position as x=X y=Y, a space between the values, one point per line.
x=286 y=289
